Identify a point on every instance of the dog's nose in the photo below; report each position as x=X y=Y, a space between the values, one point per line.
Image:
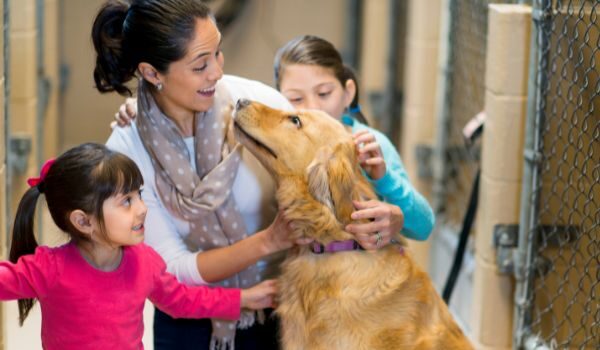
x=241 y=103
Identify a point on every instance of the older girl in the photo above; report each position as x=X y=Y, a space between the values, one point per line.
x=310 y=73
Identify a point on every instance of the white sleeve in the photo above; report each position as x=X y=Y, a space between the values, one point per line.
x=255 y=90
x=160 y=228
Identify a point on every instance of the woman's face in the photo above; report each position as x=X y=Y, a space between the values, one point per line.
x=315 y=87
x=189 y=84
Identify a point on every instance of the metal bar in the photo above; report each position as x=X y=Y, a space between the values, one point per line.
x=391 y=85
x=6 y=53
x=445 y=63
x=41 y=98
x=353 y=33
x=531 y=176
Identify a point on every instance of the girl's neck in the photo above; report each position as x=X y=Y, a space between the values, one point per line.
x=184 y=119
x=101 y=256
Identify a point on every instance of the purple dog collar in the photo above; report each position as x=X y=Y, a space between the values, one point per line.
x=335 y=246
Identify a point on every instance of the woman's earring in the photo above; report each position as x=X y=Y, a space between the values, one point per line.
x=159 y=86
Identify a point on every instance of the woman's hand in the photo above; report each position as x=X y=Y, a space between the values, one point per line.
x=385 y=220
x=127 y=112
x=259 y=296
x=370 y=155
x=278 y=236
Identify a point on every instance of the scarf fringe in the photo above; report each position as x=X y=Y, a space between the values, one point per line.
x=247 y=319
x=222 y=344
x=222 y=341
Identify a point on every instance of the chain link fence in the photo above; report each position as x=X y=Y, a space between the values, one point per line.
x=464 y=95
x=561 y=305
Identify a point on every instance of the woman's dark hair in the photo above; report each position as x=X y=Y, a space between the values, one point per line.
x=81 y=178
x=152 y=31
x=312 y=50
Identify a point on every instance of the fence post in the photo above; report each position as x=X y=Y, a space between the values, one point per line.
x=530 y=199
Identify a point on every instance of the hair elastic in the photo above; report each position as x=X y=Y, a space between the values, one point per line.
x=35 y=181
x=354 y=109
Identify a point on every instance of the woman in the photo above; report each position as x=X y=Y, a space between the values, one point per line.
x=203 y=194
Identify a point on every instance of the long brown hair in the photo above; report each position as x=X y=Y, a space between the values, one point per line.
x=152 y=31
x=81 y=178
x=313 y=50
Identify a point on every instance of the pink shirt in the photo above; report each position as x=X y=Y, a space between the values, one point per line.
x=85 y=308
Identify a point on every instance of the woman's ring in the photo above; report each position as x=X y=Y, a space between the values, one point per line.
x=379 y=239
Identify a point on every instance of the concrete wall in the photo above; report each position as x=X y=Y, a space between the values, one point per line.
x=23 y=86
x=509 y=29
x=420 y=81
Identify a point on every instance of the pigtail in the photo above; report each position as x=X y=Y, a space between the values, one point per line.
x=23 y=239
x=354 y=108
x=112 y=70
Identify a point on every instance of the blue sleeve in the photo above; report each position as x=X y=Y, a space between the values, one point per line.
x=395 y=188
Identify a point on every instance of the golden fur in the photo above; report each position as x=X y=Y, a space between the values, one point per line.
x=347 y=300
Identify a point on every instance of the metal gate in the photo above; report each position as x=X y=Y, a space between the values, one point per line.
x=558 y=265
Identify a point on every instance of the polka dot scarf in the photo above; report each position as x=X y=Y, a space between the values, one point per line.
x=203 y=196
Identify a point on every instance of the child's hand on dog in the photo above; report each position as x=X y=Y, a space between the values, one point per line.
x=259 y=296
x=384 y=220
x=370 y=155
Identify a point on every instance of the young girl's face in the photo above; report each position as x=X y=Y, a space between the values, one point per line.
x=316 y=87
x=124 y=216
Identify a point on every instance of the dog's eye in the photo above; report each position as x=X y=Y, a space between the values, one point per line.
x=296 y=121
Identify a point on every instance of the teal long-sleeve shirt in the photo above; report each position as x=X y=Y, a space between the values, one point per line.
x=395 y=188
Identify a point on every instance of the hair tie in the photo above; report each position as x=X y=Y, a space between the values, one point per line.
x=36 y=181
x=354 y=109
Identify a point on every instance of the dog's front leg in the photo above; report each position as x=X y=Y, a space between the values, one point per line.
x=291 y=313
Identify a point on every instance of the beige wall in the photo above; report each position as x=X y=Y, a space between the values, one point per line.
x=420 y=83
x=85 y=113
x=509 y=30
x=51 y=72
x=23 y=85
x=249 y=46
x=2 y=169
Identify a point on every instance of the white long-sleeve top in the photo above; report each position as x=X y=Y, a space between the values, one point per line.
x=253 y=188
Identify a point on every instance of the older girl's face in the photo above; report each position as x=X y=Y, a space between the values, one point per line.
x=189 y=84
x=315 y=87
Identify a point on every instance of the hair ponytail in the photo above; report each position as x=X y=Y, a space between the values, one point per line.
x=112 y=71
x=157 y=32
x=354 y=108
x=23 y=239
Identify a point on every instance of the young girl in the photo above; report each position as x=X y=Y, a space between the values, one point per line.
x=92 y=290
x=310 y=73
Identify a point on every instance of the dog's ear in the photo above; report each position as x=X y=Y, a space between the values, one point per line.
x=331 y=178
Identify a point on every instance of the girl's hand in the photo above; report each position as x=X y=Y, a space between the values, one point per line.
x=385 y=220
x=370 y=155
x=127 y=112
x=260 y=296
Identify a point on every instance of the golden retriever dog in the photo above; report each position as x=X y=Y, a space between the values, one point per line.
x=348 y=300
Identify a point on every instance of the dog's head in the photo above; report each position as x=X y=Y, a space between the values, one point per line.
x=307 y=145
